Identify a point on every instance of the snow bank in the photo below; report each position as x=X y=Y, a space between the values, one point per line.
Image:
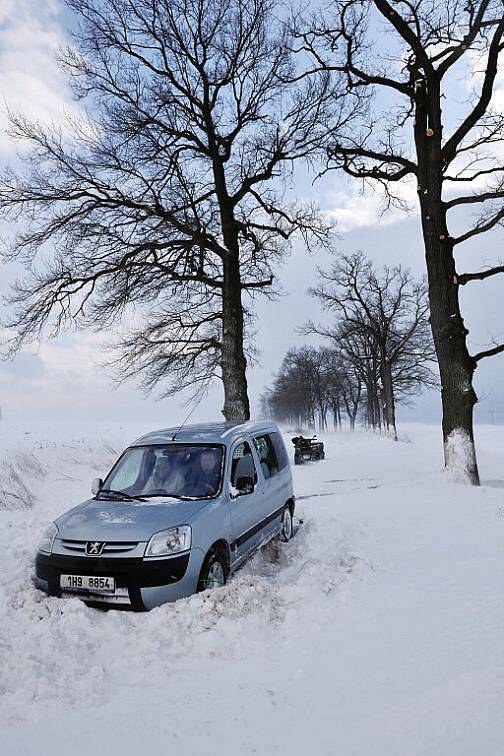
x=14 y=493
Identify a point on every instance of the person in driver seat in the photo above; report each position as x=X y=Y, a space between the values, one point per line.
x=165 y=478
x=207 y=473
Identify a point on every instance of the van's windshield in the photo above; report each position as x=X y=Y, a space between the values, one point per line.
x=182 y=470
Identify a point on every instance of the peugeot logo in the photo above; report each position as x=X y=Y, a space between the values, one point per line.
x=94 y=548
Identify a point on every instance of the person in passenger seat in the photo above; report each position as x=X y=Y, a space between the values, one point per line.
x=165 y=479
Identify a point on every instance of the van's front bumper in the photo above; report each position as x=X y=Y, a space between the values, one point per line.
x=140 y=583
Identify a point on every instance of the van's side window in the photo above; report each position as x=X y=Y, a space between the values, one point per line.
x=281 y=451
x=267 y=455
x=242 y=464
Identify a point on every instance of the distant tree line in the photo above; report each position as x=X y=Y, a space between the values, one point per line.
x=377 y=351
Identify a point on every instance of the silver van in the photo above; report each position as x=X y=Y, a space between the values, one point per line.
x=180 y=510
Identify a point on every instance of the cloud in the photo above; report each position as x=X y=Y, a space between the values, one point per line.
x=61 y=378
x=351 y=211
x=64 y=380
x=30 y=80
x=26 y=369
x=66 y=366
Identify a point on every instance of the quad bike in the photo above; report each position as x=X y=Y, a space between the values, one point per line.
x=307 y=449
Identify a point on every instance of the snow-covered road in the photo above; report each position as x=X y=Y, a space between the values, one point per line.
x=378 y=631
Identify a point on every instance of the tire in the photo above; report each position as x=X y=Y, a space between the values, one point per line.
x=298 y=459
x=213 y=572
x=287 y=528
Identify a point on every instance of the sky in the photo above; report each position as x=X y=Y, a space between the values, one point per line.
x=65 y=378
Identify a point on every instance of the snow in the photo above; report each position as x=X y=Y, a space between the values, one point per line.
x=376 y=630
x=460 y=455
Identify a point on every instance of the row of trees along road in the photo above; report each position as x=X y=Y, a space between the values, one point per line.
x=378 y=350
x=169 y=195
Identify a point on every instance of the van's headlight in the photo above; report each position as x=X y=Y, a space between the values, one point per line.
x=47 y=541
x=169 y=541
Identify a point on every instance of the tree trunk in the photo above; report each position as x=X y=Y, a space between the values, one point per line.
x=456 y=367
x=356 y=404
x=335 y=402
x=370 y=405
x=377 y=408
x=389 y=401
x=234 y=364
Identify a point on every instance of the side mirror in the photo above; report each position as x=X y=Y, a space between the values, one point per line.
x=244 y=485
x=96 y=486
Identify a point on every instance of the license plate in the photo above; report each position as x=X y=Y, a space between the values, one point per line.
x=87 y=583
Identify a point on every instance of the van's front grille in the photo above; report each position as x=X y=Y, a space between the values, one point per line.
x=129 y=571
x=110 y=547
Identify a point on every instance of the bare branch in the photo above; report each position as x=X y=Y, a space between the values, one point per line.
x=455 y=52
x=449 y=150
x=463 y=278
x=480 y=228
x=472 y=199
x=498 y=349
x=412 y=40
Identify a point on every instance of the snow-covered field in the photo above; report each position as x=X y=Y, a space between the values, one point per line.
x=378 y=631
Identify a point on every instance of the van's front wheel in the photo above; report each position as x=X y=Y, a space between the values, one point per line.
x=213 y=572
x=287 y=527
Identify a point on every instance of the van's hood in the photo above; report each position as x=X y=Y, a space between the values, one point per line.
x=100 y=520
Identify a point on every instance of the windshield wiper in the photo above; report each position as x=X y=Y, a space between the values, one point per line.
x=118 y=494
x=169 y=496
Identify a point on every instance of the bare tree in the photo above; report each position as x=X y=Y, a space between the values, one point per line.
x=265 y=407
x=361 y=370
x=351 y=394
x=167 y=196
x=310 y=383
x=388 y=314
x=336 y=388
x=411 y=66
x=293 y=397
